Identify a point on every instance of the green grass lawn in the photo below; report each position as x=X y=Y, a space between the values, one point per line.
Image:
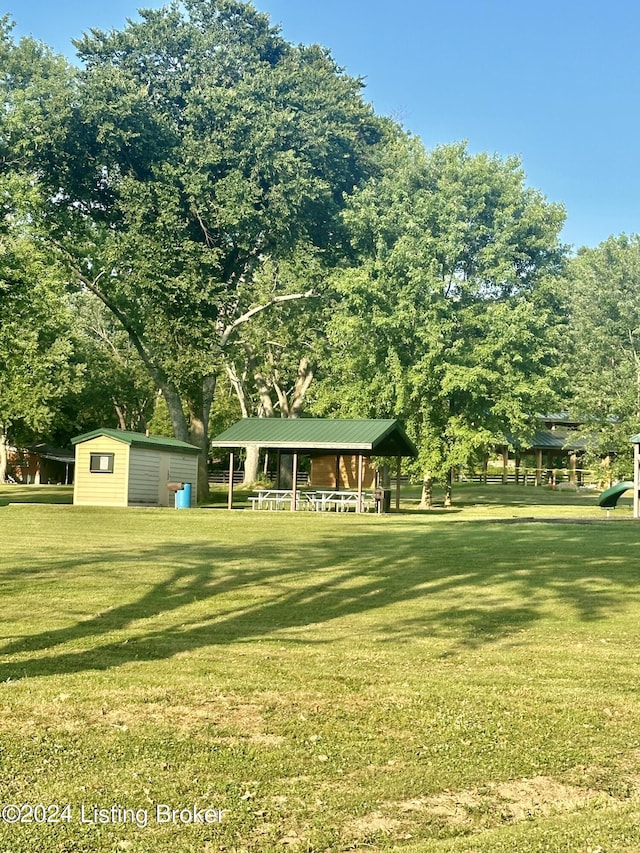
x=448 y=681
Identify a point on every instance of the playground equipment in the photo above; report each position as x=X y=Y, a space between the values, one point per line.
x=610 y=497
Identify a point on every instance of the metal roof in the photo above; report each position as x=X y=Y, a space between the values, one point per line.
x=55 y=454
x=138 y=439
x=557 y=439
x=552 y=439
x=369 y=437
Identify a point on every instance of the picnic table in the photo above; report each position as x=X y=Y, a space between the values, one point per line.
x=278 y=499
x=319 y=500
x=340 y=500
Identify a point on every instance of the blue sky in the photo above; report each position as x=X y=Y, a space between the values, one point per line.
x=555 y=82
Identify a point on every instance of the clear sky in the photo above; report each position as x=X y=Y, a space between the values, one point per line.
x=556 y=82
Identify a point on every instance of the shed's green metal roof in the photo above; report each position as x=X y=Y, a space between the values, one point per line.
x=372 y=437
x=138 y=439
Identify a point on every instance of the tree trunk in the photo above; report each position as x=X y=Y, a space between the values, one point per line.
x=448 y=488
x=174 y=407
x=426 y=501
x=3 y=453
x=253 y=452
x=199 y=409
x=198 y=436
x=304 y=379
x=286 y=471
x=122 y=423
x=251 y=463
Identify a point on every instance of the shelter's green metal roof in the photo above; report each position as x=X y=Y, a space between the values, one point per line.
x=312 y=435
x=635 y=439
x=557 y=439
x=138 y=439
x=551 y=439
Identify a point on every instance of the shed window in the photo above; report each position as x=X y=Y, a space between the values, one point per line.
x=101 y=463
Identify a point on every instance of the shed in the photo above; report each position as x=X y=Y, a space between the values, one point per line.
x=119 y=468
x=339 y=447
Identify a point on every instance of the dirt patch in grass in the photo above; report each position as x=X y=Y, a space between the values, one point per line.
x=510 y=801
x=476 y=808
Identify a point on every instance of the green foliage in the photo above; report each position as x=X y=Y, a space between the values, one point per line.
x=38 y=367
x=214 y=145
x=449 y=317
x=117 y=390
x=603 y=290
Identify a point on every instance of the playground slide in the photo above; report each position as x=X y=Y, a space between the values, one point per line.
x=610 y=497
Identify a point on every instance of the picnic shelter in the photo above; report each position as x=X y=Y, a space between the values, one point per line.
x=340 y=449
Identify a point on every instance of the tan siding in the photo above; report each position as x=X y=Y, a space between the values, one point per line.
x=323 y=472
x=92 y=489
x=144 y=476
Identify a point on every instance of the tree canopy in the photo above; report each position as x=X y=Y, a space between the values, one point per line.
x=603 y=292
x=193 y=146
x=448 y=317
x=37 y=363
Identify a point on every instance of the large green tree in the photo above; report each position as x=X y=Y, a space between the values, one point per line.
x=38 y=367
x=449 y=316
x=603 y=291
x=192 y=147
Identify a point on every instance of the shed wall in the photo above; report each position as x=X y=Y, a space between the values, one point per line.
x=183 y=467
x=144 y=476
x=101 y=489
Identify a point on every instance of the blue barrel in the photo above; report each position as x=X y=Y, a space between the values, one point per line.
x=183 y=497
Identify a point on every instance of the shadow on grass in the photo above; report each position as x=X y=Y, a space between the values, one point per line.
x=473 y=584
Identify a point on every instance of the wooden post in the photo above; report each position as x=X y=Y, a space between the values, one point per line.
x=538 y=467
x=230 y=495
x=294 y=483
x=278 y=469
x=505 y=465
x=360 y=478
x=398 y=467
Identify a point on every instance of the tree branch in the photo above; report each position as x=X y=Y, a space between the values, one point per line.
x=244 y=318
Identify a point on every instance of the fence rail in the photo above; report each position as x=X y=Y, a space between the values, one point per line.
x=529 y=476
x=221 y=478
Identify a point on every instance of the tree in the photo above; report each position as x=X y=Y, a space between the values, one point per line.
x=603 y=290
x=271 y=367
x=450 y=317
x=37 y=365
x=194 y=145
x=117 y=390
